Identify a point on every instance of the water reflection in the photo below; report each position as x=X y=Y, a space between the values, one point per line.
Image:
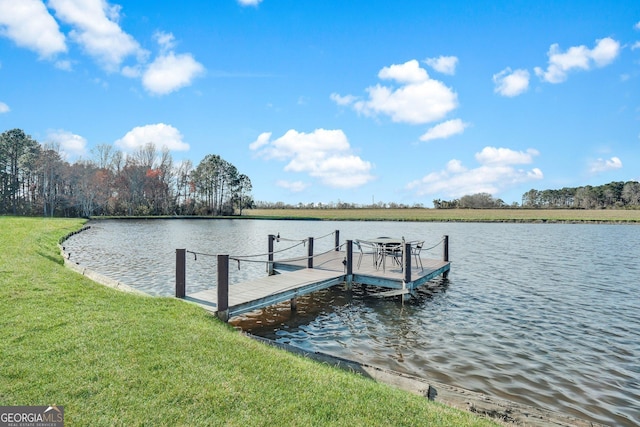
x=545 y=315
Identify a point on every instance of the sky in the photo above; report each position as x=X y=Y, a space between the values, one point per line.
x=338 y=101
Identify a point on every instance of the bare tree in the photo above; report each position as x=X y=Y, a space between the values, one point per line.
x=103 y=155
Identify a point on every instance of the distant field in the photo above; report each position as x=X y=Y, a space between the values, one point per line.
x=469 y=215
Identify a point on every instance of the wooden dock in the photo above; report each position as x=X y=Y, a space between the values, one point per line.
x=293 y=278
x=255 y=294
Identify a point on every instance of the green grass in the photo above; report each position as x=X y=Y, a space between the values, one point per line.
x=112 y=358
x=464 y=215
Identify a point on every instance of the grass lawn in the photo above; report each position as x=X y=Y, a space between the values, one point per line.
x=470 y=215
x=112 y=358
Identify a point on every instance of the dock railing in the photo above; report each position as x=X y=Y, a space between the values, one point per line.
x=223 y=266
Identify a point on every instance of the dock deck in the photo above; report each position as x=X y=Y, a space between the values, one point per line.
x=295 y=279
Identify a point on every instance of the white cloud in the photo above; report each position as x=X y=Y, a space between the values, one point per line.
x=159 y=134
x=637 y=26
x=323 y=154
x=168 y=72
x=578 y=57
x=511 y=83
x=443 y=64
x=604 y=165
x=72 y=146
x=29 y=24
x=294 y=187
x=635 y=46
x=605 y=51
x=166 y=41
x=4 y=108
x=263 y=139
x=419 y=99
x=343 y=100
x=505 y=156
x=409 y=72
x=249 y=2
x=495 y=173
x=95 y=28
x=444 y=130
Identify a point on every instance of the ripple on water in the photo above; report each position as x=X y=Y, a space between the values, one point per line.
x=545 y=315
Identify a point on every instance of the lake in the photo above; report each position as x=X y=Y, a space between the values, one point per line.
x=542 y=314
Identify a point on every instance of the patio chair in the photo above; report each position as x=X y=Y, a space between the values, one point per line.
x=366 y=248
x=395 y=252
x=415 y=251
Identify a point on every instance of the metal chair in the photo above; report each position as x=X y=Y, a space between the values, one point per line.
x=396 y=254
x=415 y=251
x=366 y=248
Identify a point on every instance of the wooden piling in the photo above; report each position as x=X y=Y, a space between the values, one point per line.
x=310 y=253
x=270 y=271
x=181 y=290
x=337 y=234
x=446 y=249
x=446 y=254
x=407 y=262
x=223 y=287
x=349 y=263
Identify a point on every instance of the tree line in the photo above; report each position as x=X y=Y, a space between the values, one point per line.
x=614 y=195
x=36 y=180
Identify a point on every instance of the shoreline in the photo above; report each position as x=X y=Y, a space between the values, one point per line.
x=600 y=221
x=500 y=410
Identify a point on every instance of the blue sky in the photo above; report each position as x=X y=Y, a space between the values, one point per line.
x=326 y=101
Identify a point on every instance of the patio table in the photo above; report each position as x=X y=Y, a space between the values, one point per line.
x=388 y=246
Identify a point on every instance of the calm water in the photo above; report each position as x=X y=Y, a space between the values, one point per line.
x=542 y=314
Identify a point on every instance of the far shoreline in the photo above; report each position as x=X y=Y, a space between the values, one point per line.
x=515 y=216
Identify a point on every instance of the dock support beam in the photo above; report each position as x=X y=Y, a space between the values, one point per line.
x=446 y=254
x=337 y=234
x=407 y=270
x=407 y=262
x=223 y=287
x=181 y=288
x=446 y=248
x=349 y=263
x=272 y=238
x=310 y=253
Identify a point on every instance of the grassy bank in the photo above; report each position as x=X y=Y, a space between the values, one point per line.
x=464 y=215
x=119 y=359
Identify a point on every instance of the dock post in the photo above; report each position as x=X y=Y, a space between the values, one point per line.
x=446 y=254
x=310 y=253
x=446 y=248
x=223 y=287
x=181 y=256
x=272 y=238
x=337 y=233
x=294 y=304
x=407 y=262
x=349 y=263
